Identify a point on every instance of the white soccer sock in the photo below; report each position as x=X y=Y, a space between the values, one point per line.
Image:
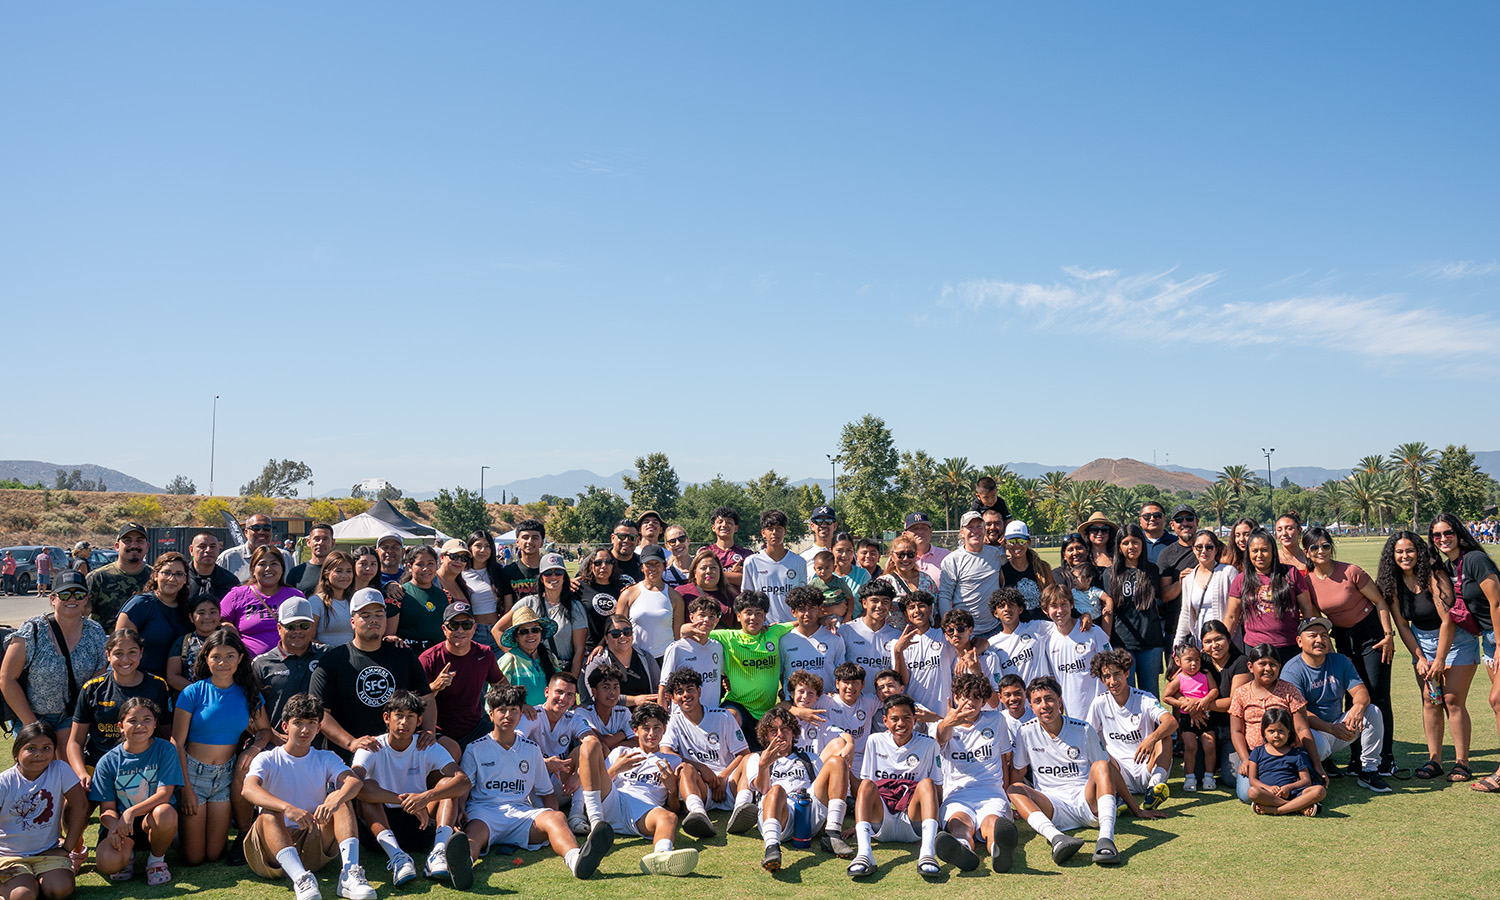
x=1108 y=807
x=864 y=835
x=290 y=862
x=744 y=798
x=770 y=829
x=1042 y=825
x=591 y=805
x=695 y=804
x=152 y=860
x=1158 y=776
x=349 y=852
x=929 y=837
x=387 y=841
x=441 y=835
x=835 y=821
x=570 y=859
x=662 y=846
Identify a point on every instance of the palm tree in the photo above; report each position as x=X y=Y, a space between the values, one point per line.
x=1237 y=479
x=1031 y=489
x=1052 y=485
x=1414 y=463
x=1219 y=497
x=1000 y=473
x=1335 y=498
x=1374 y=465
x=1366 y=493
x=954 y=477
x=1120 y=503
x=1079 y=499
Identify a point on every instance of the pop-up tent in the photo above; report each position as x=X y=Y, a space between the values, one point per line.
x=385 y=512
x=366 y=529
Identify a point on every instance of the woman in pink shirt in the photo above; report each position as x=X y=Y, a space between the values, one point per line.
x=1268 y=598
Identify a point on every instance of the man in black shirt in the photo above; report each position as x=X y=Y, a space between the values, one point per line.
x=286 y=669
x=1158 y=535
x=206 y=578
x=1175 y=559
x=304 y=577
x=622 y=543
x=355 y=680
x=521 y=577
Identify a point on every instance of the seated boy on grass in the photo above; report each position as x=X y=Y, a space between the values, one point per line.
x=784 y=768
x=898 y=788
x=407 y=802
x=133 y=785
x=712 y=747
x=286 y=838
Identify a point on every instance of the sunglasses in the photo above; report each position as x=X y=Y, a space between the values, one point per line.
x=1100 y=529
x=553 y=574
x=1439 y=535
x=460 y=557
x=257 y=528
x=1153 y=515
x=677 y=540
x=460 y=625
x=1181 y=519
x=601 y=562
x=618 y=632
x=296 y=626
x=1202 y=548
x=72 y=595
x=955 y=630
x=625 y=537
x=1323 y=546
x=527 y=632
x=907 y=555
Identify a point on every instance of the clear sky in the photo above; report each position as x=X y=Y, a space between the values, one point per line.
x=406 y=240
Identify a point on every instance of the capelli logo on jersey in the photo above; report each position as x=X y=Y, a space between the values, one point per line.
x=1071 y=769
x=1133 y=737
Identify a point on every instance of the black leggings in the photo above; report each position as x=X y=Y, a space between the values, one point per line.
x=1358 y=643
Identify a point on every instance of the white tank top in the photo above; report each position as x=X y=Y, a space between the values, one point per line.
x=651 y=614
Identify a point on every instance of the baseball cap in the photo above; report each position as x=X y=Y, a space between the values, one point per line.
x=650 y=514
x=295 y=609
x=1313 y=622
x=68 y=581
x=653 y=552
x=1017 y=529
x=366 y=597
x=970 y=516
x=389 y=536
x=1184 y=508
x=457 y=608
x=822 y=512
x=127 y=528
x=918 y=518
x=552 y=561
x=454 y=545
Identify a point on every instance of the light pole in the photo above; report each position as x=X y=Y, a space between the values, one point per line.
x=833 y=462
x=481 y=483
x=213 y=440
x=1269 y=486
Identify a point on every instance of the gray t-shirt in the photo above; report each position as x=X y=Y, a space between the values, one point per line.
x=968 y=580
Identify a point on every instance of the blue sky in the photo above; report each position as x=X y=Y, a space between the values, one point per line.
x=405 y=241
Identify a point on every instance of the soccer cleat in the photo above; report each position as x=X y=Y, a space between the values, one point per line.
x=836 y=845
x=771 y=862
x=1105 y=853
x=460 y=863
x=1003 y=845
x=741 y=819
x=1063 y=848
x=354 y=886
x=952 y=851
x=600 y=839
x=1155 y=796
x=403 y=868
x=670 y=862
x=306 y=887
x=699 y=825
x=1371 y=781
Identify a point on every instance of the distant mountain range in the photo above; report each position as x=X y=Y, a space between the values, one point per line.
x=30 y=471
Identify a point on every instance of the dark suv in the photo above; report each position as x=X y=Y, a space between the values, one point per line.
x=26 y=563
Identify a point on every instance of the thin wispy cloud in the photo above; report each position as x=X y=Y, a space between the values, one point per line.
x=1163 y=307
x=1452 y=270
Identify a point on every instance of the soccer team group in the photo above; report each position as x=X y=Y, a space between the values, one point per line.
x=812 y=708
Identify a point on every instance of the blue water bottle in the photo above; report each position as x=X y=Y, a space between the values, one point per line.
x=801 y=820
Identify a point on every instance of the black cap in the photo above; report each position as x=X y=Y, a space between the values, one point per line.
x=822 y=512
x=1184 y=508
x=918 y=518
x=653 y=552
x=129 y=527
x=68 y=580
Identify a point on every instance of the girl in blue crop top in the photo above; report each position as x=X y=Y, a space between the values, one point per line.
x=213 y=711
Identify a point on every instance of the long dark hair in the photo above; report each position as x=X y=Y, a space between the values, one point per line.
x=1389 y=580
x=1142 y=586
x=1283 y=599
x=1063 y=574
x=244 y=673
x=492 y=566
x=1466 y=542
x=1231 y=553
x=152 y=587
x=360 y=552
x=614 y=585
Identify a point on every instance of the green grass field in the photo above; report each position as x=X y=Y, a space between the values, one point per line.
x=1426 y=837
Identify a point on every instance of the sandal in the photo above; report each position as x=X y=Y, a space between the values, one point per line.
x=861 y=867
x=126 y=873
x=157 y=874
x=1489 y=784
x=1460 y=772
x=1313 y=810
x=1432 y=769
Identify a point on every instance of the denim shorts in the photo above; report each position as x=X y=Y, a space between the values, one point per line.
x=210 y=783
x=1464 y=650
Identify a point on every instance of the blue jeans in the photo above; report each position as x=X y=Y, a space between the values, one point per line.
x=1147 y=669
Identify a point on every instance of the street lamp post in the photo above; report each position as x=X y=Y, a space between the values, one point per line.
x=833 y=462
x=481 y=483
x=213 y=440
x=1269 y=486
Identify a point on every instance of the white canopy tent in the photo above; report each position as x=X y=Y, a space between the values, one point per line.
x=365 y=529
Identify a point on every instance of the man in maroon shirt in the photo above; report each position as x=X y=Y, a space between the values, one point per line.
x=458 y=670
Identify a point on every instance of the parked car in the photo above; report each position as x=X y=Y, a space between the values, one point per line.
x=99 y=558
x=26 y=563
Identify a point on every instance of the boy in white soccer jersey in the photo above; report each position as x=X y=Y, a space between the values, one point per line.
x=609 y=718
x=775 y=570
x=288 y=839
x=921 y=656
x=852 y=712
x=504 y=770
x=407 y=800
x=785 y=767
x=566 y=738
x=976 y=743
x=694 y=650
x=1013 y=701
x=712 y=748
x=1071 y=649
x=638 y=790
x=868 y=639
x=1136 y=728
x=1075 y=785
x=1018 y=648
x=808 y=646
x=899 y=786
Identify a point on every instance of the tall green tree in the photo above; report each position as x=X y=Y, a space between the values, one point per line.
x=1413 y=463
x=809 y=497
x=1220 y=498
x=278 y=479
x=1079 y=500
x=918 y=485
x=654 y=485
x=1119 y=503
x=1373 y=465
x=867 y=500
x=1236 y=479
x=771 y=491
x=460 y=512
x=590 y=520
x=1335 y=496
x=695 y=510
x=1460 y=485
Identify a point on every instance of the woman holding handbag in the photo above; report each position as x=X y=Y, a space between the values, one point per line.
x=1476 y=596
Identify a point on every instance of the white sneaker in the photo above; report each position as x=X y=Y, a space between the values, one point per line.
x=1208 y=782
x=403 y=869
x=306 y=887
x=354 y=886
x=437 y=862
x=578 y=820
x=1190 y=783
